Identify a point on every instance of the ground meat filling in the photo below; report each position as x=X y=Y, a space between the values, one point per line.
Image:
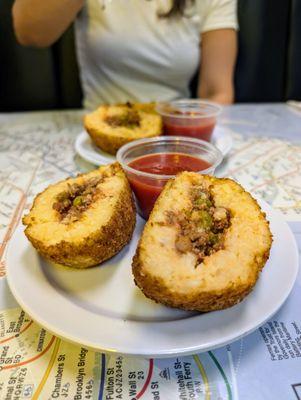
x=71 y=203
x=129 y=119
x=202 y=227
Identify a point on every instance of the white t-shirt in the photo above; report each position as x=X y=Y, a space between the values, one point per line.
x=127 y=53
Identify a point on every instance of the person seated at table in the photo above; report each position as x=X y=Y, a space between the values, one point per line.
x=140 y=50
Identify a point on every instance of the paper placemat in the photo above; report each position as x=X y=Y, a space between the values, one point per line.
x=270 y=169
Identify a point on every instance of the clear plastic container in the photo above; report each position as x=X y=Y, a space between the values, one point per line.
x=192 y=118
x=150 y=163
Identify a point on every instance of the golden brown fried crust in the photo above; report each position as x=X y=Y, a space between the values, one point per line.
x=99 y=246
x=156 y=289
x=110 y=143
x=105 y=142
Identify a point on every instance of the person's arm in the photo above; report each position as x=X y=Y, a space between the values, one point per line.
x=41 y=22
x=218 y=56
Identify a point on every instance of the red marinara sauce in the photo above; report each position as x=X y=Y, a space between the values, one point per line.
x=147 y=189
x=200 y=129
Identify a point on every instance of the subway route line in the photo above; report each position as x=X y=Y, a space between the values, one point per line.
x=30 y=359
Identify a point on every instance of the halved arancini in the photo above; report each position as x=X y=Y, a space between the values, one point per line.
x=110 y=127
x=204 y=245
x=82 y=221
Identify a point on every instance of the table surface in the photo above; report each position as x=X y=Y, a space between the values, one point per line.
x=36 y=141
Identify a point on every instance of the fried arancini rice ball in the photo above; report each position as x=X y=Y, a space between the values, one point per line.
x=204 y=245
x=82 y=221
x=110 y=127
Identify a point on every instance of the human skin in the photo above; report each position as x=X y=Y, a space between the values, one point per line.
x=219 y=49
x=41 y=23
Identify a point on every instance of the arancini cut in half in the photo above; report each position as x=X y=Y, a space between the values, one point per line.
x=83 y=221
x=204 y=245
x=110 y=127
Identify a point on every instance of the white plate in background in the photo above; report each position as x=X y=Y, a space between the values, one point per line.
x=84 y=146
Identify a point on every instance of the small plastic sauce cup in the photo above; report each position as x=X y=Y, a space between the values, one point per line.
x=150 y=163
x=192 y=118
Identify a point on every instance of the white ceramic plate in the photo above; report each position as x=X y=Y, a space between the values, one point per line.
x=84 y=146
x=103 y=309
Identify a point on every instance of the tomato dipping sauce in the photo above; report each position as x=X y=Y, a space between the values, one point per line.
x=189 y=118
x=147 y=188
x=200 y=129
